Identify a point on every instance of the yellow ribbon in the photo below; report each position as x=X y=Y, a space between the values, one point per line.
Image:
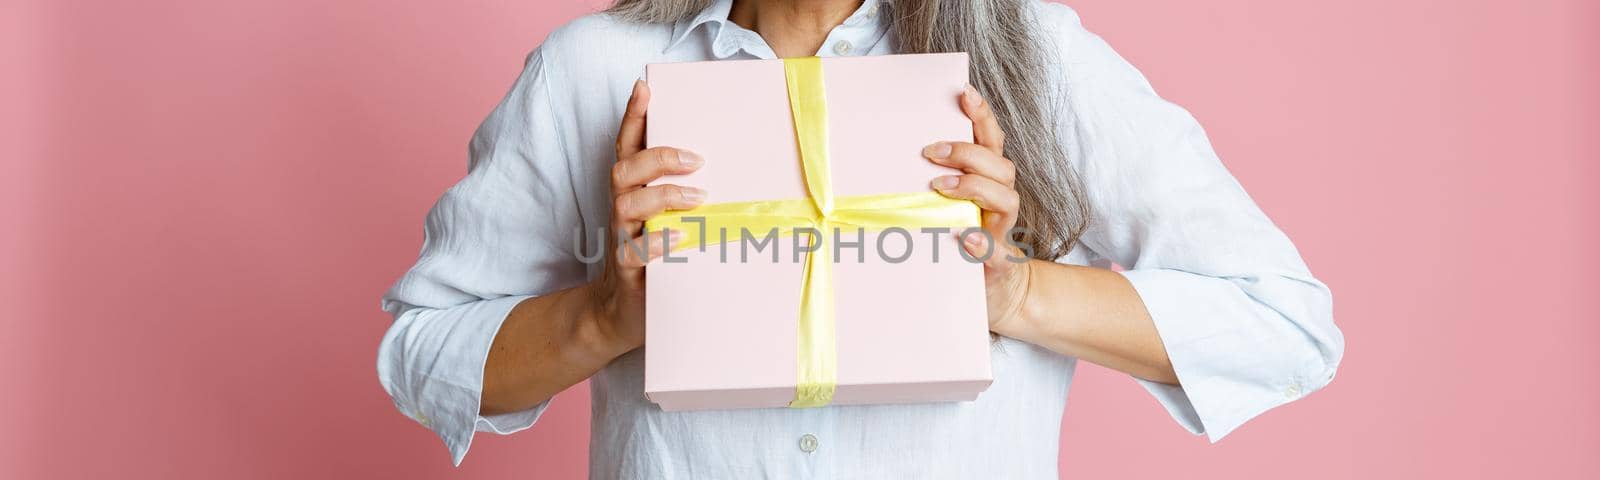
x=823 y=214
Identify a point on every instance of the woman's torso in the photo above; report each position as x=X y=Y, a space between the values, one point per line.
x=1011 y=431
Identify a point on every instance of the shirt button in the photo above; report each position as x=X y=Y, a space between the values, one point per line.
x=842 y=48
x=808 y=443
x=872 y=10
x=1292 y=391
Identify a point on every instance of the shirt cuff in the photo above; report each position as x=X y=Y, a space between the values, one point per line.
x=432 y=365
x=509 y=423
x=1234 y=358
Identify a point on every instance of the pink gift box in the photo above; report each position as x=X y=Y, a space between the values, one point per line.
x=723 y=333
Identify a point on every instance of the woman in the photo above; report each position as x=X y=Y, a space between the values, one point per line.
x=1216 y=315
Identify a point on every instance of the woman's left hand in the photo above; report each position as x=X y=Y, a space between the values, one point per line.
x=988 y=179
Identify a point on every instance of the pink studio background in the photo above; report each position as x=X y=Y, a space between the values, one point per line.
x=204 y=200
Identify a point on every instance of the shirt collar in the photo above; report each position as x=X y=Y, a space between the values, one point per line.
x=715 y=17
x=715 y=14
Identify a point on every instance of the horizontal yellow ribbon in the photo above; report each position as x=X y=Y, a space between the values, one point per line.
x=817 y=373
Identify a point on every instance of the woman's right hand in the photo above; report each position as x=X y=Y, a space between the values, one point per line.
x=549 y=343
x=618 y=296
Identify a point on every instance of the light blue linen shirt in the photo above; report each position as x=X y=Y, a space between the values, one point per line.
x=1246 y=325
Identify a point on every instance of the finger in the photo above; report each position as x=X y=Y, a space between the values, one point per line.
x=993 y=250
x=649 y=164
x=972 y=158
x=630 y=134
x=990 y=195
x=985 y=127
x=630 y=210
x=651 y=245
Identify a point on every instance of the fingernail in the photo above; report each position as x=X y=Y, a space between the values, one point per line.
x=690 y=159
x=693 y=195
x=974 y=239
x=937 y=150
x=972 y=94
x=946 y=182
x=673 y=236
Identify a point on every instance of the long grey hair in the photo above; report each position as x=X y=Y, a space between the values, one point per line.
x=1007 y=65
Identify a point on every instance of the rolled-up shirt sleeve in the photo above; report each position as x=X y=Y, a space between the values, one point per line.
x=502 y=234
x=1246 y=325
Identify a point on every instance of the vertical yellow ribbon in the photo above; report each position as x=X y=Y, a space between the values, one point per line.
x=817 y=370
x=817 y=375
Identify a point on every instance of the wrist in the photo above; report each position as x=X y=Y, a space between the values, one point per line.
x=1014 y=320
x=597 y=331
